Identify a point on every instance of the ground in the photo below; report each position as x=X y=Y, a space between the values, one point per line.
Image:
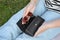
x=9 y=7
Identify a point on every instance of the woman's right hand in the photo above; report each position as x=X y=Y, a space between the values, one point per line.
x=29 y=9
x=48 y=25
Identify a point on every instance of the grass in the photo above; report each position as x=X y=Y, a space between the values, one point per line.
x=9 y=7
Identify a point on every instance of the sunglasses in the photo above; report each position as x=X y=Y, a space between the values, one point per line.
x=26 y=17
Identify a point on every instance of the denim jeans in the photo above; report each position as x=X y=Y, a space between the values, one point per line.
x=10 y=30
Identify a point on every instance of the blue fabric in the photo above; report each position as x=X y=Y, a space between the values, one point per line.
x=10 y=30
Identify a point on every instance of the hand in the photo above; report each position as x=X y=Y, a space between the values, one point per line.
x=48 y=25
x=43 y=28
x=29 y=9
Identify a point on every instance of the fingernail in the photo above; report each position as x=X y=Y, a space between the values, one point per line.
x=23 y=22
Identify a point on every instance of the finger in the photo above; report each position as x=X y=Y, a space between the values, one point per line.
x=25 y=19
x=25 y=14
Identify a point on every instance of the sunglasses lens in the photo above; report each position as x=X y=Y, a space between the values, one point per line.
x=30 y=14
x=24 y=19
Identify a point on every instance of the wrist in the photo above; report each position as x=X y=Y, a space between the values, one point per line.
x=31 y=7
x=47 y=25
x=33 y=2
x=51 y=25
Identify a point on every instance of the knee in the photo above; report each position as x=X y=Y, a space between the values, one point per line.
x=40 y=8
x=50 y=15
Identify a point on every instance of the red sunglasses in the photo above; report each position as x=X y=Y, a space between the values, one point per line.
x=26 y=17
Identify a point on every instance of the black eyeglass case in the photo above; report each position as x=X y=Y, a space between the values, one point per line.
x=31 y=26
